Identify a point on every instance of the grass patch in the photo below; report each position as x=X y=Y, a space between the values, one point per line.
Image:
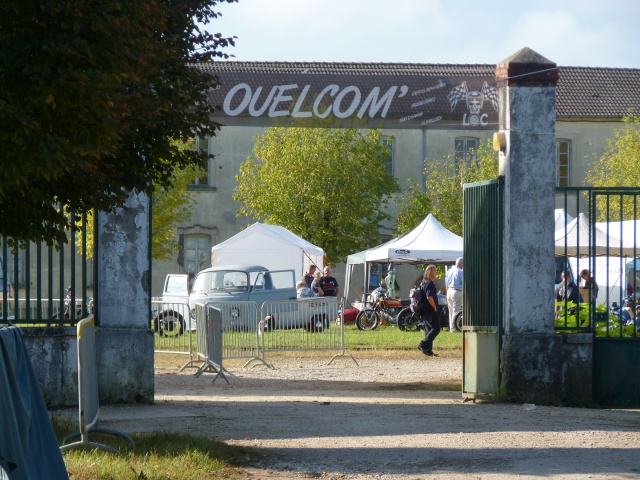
x=383 y=342
x=392 y=339
x=155 y=456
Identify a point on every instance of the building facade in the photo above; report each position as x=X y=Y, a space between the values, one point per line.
x=447 y=110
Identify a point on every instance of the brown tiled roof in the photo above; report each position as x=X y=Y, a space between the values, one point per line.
x=582 y=92
x=597 y=92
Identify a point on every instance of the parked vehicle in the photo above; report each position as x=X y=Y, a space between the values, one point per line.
x=71 y=303
x=409 y=322
x=627 y=313
x=234 y=285
x=350 y=314
x=384 y=309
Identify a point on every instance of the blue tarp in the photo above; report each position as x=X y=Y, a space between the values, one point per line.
x=28 y=446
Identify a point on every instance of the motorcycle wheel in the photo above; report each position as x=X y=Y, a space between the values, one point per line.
x=169 y=324
x=457 y=321
x=367 y=319
x=407 y=321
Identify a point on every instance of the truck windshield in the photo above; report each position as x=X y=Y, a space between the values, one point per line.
x=221 y=280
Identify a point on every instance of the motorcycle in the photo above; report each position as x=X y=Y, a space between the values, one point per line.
x=410 y=322
x=384 y=309
x=80 y=310
x=625 y=313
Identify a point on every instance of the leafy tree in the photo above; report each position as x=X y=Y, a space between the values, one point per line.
x=330 y=186
x=415 y=205
x=619 y=166
x=170 y=206
x=91 y=95
x=443 y=194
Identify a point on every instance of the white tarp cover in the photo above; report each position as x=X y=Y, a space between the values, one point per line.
x=627 y=230
x=428 y=242
x=576 y=239
x=562 y=218
x=271 y=246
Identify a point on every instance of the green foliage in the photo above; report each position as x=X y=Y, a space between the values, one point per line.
x=330 y=186
x=170 y=206
x=91 y=96
x=577 y=319
x=417 y=205
x=573 y=317
x=619 y=166
x=443 y=192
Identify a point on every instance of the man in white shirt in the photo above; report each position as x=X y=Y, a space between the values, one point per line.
x=453 y=283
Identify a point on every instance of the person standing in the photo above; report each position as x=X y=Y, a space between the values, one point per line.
x=329 y=284
x=308 y=277
x=567 y=292
x=429 y=311
x=316 y=285
x=453 y=282
x=589 y=283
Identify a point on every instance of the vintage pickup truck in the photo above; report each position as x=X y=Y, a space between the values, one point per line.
x=233 y=284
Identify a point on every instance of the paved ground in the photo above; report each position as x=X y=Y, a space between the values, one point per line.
x=386 y=418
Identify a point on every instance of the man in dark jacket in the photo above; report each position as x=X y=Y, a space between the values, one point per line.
x=429 y=311
x=567 y=291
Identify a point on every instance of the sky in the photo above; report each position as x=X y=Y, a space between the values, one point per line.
x=584 y=33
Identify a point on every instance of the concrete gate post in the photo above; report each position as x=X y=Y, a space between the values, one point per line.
x=124 y=340
x=531 y=354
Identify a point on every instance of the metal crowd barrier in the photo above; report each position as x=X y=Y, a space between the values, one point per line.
x=173 y=327
x=88 y=404
x=210 y=338
x=245 y=331
x=304 y=324
x=240 y=324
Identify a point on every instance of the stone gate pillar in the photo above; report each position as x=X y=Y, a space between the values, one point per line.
x=531 y=355
x=124 y=340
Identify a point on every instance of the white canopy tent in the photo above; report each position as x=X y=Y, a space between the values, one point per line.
x=271 y=246
x=628 y=231
x=429 y=242
x=575 y=238
x=562 y=218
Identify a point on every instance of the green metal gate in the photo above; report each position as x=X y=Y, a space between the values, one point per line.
x=482 y=286
x=609 y=252
x=616 y=352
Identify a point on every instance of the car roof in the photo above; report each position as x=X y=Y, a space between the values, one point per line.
x=241 y=268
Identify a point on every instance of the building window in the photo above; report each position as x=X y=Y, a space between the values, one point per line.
x=204 y=146
x=197 y=253
x=563 y=155
x=466 y=148
x=389 y=143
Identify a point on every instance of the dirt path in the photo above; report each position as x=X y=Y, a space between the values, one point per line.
x=389 y=419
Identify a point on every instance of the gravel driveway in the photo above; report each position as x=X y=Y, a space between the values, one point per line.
x=386 y=418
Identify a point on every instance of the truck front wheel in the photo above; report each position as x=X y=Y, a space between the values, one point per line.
x=169 y=324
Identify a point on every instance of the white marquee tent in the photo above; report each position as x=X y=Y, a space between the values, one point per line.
x=429 y=242
x=575 y=237
x=271 y=246
x=562 y=218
